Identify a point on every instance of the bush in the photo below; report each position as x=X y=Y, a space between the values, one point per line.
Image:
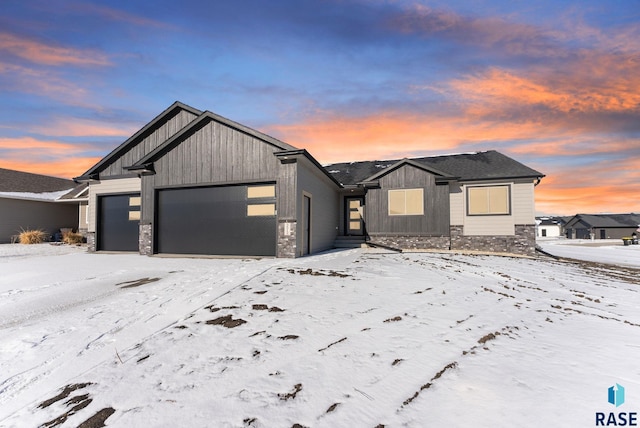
x=72 y=238
x=33 y=236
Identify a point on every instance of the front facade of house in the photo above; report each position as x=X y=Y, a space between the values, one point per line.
x=193 y=182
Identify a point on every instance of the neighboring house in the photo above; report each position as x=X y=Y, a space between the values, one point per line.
x=31 y=201
x=602 y=226
x=193 y=182
x=549 y=227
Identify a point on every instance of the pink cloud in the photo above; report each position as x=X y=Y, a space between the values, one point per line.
x=41 y=53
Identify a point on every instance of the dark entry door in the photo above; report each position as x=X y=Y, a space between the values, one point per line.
x=354 y=212
x=306 y=226
x=118 y=222
x=228 y=220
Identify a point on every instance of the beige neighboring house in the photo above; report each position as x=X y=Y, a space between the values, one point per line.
x=35 y=201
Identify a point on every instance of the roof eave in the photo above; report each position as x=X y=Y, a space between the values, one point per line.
x=287 y=155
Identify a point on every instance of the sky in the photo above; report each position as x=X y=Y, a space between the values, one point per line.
x=553 y=84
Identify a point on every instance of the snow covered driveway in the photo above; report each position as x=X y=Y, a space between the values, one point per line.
x=346 y=338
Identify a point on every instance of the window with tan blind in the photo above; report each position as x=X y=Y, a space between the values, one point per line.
x=406 y=202
x=488 y=200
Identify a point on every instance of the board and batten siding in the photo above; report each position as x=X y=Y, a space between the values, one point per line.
x=108 y=187
x=148 y=143
x=325 y=207
x=522 y=209
x=434 y=222
x=213 y=154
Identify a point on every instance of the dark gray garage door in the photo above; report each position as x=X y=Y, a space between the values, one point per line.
x=229 y=220
x=118 y=222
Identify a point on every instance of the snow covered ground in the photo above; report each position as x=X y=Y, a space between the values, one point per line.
x=342 y=339
x=600 y=250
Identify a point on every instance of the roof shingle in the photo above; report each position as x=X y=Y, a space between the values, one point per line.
x=18 y=181
x=468 y=167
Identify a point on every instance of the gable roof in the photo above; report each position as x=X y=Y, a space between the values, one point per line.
x=442 y=176
x=149 y=127
x=202 y=119
x=465 y=167
x=606 y=220
x=26 y=182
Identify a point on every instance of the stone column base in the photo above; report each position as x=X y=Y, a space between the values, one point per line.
x=91 y=242
x=145 y=244
x=287 y=238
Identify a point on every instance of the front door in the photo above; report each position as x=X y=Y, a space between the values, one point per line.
x=354 y=216
x=306 y=225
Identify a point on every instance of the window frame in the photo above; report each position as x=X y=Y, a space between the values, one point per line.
x=489 y=212
x=405 y=192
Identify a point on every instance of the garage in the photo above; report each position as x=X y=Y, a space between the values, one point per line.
x=118 y=222
x=235 y=220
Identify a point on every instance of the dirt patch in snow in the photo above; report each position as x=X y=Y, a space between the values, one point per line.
x=291 y=395
x=227 y=321
x=312 y=272
x=430 y=383
x=97 y=420
x=138 y=282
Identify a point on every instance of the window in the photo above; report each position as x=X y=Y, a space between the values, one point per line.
x=406 y=202
x=261 y=210
x=488 y=200
x=268 y=191
x=134 y=208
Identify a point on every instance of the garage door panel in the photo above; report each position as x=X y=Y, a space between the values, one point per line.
x=212 y=220
x=118 y=230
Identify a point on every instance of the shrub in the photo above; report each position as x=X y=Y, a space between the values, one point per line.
x=72 y=238
x=33 y=236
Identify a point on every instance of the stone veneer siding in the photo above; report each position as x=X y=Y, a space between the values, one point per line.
x=523 y=242
x=144 y=239
x=409 y=242
x=287 y=238
x=91 y=242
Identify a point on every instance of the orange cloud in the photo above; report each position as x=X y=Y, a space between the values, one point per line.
x=571 y=190
x=48 y=157
x=64 y=168
x=393 y=135
x=29 y=144
x=71 y=127
x=496 y=89
x=41 y=53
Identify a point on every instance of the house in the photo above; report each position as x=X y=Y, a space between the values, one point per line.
x=31 y=201
x=549 y=227
x=193 y=182
x=602 y=226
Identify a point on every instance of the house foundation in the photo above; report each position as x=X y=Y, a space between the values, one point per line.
x=522 y=242
x=408 y=242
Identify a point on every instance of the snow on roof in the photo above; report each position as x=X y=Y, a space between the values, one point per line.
x=45 y=196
